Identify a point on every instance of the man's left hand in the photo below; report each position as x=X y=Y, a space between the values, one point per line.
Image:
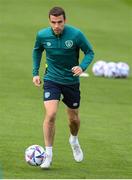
x=77 y=70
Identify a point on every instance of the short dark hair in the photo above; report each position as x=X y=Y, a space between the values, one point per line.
x=57 y=11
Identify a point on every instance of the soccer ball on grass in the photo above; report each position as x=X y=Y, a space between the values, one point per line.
x=123 y=69
x=110 y=70
x=98 y=68
x=34 y=155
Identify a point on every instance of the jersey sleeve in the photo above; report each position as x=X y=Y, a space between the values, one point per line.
x=86 y=47
x=37 y=55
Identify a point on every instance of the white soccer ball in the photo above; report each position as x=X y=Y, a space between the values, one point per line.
x=34 y=155
x=98 y=68
x=110 y=70
x=123 y=69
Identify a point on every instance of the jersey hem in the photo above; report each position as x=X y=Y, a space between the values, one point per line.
x=68 y=83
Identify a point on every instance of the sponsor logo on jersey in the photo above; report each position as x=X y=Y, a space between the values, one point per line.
x=69 y=43
x=48 y=43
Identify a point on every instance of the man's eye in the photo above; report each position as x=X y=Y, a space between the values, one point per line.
x=53 y=22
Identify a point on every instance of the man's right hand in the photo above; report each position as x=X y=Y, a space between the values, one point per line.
x=37 y=81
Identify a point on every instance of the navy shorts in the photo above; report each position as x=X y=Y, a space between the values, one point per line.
x=70 y=93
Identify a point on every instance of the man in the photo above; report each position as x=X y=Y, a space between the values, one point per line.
x=62 y=44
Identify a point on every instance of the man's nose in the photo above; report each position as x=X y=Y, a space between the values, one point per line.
x=56 y=25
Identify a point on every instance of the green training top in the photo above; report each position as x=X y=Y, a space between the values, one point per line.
x=62 y=53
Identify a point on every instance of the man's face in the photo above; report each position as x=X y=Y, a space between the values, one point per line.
x=57 y=23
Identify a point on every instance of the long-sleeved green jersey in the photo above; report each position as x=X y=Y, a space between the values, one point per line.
x=62 y=53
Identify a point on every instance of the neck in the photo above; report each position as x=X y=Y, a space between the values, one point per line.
x=58 y=35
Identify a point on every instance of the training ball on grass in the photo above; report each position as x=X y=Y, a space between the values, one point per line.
x=98 y=68
x=110 y=70
x=34 y=155
x=123 y=69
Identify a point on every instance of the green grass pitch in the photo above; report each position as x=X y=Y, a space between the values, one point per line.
x=106 y=106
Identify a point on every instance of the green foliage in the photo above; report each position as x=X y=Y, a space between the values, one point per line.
x=106 y=123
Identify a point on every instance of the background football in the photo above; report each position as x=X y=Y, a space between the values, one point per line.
x=34 y=155
x=123 y=69
x=98 y=68
x=110 y=70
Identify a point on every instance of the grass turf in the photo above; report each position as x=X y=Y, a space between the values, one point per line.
x=105 y=112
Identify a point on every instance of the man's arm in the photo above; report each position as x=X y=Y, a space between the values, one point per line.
x=37 y=55
x=86 y=47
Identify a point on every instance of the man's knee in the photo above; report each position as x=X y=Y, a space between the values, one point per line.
x=50 y=117
x=73 y=116
x=74 y=120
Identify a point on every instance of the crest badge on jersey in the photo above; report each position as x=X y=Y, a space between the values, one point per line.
x=69 y=43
